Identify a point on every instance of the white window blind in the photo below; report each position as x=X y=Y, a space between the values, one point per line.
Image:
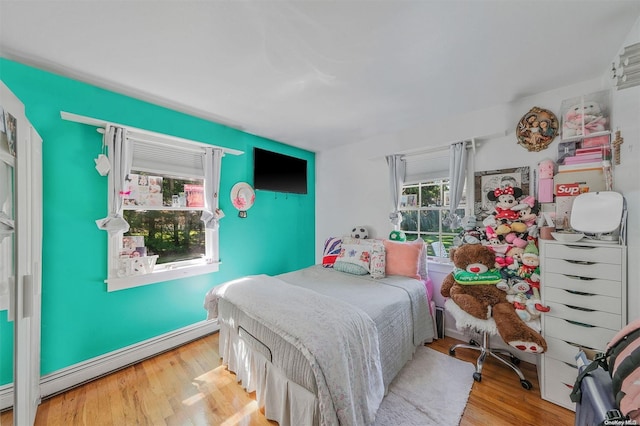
x=173 y=161
x=430 y=164
x=427 y=166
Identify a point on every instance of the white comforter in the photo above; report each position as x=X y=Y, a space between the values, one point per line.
x=346 y=367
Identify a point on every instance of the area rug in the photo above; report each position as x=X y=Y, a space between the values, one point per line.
x=432 y=389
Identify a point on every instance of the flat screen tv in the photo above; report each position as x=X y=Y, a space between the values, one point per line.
x=278 y=172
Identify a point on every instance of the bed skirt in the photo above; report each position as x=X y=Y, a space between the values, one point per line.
x=282 y=399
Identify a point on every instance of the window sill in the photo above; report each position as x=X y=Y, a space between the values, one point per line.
x=115 y=284
x=442 y=264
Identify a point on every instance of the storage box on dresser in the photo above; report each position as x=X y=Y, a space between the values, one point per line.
x=585 y=285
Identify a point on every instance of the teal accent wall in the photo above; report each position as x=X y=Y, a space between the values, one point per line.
x=80 y=319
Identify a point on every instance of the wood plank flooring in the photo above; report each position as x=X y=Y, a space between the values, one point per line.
x=187 y=386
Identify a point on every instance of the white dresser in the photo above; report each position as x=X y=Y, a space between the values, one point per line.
x=585 y=285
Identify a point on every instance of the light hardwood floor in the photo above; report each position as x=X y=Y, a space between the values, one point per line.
x=187 y=386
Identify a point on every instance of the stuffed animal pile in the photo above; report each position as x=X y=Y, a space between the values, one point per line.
x=473 y=287
x=510 y=234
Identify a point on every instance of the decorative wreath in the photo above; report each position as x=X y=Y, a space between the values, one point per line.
x=537 y=129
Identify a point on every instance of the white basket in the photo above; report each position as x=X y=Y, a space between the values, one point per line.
x=128 y=266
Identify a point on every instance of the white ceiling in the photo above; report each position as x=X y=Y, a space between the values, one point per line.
x=316 y=74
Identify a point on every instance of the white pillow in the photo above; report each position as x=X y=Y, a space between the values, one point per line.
x=377 y=264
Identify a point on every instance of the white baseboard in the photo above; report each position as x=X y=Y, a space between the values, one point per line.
x=74 y=375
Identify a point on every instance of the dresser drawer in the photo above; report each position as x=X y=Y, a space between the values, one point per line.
x=559 y=379
x=583 y=300
x=582 y=284
x=589 y=316
x=581 y=334
x=562 y=350
x=584 y=253
x=588 y=269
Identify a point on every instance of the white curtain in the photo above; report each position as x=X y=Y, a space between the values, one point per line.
x=212 y=161
x=120 y=155
x=397 y=169
x=457 y=174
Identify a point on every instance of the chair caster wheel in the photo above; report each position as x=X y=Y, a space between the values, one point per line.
x=526 y=384
x=473 y=342
x=515 y=360
x=478 y=377
x=452 y=352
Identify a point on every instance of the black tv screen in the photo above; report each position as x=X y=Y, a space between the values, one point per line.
x=278 y=172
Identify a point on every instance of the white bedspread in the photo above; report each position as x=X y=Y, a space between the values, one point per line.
x=346 y=366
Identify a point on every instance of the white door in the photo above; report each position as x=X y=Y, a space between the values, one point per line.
x=25 y=284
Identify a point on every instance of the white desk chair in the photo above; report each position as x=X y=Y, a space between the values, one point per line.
x=487 y=328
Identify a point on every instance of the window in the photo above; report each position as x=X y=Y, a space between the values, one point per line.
x=159 y=195
x=166 y=220
x=424 y=207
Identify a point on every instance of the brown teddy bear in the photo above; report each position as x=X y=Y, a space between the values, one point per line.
x=472 y=286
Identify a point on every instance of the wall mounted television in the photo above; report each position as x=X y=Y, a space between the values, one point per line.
x=277 y=172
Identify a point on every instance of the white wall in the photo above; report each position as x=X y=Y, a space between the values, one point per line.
x=352 y=187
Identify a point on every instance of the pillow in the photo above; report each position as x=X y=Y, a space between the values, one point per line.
x=331 y=251
x=378 y=258
x=423 y=269
x=353 y=259
x=403 y=258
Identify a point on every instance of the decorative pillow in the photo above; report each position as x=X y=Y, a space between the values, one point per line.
x=403 y=258
x=378 y=258
x=331 y=251
x=353 y=259
x=423 y=269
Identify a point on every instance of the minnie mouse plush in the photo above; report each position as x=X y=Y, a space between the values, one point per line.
x=505 y=199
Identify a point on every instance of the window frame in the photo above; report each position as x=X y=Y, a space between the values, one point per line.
x=172 y=270
x=166 y=271
x=441 y=209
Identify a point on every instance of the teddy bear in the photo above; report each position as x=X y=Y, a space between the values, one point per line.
x=472 y=286
x=583 y=119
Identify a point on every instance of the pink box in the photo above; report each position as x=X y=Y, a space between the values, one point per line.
x=595 y=141
x=545 y=191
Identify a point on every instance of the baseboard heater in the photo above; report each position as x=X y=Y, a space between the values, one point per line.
x=91 y=369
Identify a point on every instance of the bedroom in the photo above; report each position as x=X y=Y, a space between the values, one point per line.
x=81 y=321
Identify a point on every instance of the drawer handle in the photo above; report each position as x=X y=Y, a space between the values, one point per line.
x=580 y=324
x=579 y=293
x=568 y=385
x=580 y=247
x=576 y=277
x=580 y=262
x=570 y=365
x=579 y=346
x=578 y=308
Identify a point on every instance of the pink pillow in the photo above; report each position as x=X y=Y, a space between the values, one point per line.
x=403 y=258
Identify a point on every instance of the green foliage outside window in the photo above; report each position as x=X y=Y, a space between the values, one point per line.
x=174 y=235
x=424 y=206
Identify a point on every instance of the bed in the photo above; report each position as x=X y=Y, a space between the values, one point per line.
x=320 y=346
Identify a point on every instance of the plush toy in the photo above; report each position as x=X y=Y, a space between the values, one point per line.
x=505 y=199
x=470 y=234
x=360 y=232
x=397 y=236
x=472 y=286
x=583 y=119
x=530 y=272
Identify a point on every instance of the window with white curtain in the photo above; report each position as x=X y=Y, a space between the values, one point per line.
x=424 y=205
x=163 y=202
x=425 y=201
